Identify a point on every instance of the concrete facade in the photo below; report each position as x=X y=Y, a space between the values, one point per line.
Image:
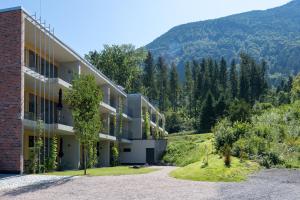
x=36 y=69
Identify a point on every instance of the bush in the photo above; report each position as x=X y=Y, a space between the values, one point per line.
x=271 y=137
x=225 y=133
x=227 y=155
x=115 y=156
x=270 y=159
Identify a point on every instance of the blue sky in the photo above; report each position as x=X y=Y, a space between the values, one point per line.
x=88 y=24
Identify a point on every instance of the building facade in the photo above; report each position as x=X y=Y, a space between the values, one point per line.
x=36 y=69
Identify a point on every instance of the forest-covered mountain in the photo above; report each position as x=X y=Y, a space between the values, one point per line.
x=272 y=34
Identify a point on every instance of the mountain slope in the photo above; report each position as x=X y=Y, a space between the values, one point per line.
x=272 y=34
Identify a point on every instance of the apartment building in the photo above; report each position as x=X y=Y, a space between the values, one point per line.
x=36 y=69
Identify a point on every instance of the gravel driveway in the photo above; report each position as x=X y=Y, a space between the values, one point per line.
x=267 y=184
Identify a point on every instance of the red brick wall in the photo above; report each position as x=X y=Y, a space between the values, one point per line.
x=11 y=91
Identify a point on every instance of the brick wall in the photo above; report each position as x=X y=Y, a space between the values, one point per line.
x=11 y=91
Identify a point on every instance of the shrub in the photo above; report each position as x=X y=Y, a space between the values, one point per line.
x=270 y=159
x=225 y=133
x=115 y=156
x=227 y=155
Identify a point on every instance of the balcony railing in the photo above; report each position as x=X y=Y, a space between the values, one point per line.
x=48 y=120
x=49 y=76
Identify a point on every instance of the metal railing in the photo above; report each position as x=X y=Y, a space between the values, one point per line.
x=45 y=118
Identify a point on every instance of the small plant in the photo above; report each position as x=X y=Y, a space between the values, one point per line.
x=243 y=156
x=115 y=155
x=205 y=160
x=32 y=162
x=227 y=155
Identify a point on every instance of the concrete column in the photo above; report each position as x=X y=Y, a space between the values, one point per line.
x=104 y=153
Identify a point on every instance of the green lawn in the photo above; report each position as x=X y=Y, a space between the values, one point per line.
x=216 y=170
x=184 y=149
x=191 y=150
x=105 y=171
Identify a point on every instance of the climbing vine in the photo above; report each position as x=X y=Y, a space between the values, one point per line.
x=115 y=155
x=92 y=155
x=51 y=161
x=147 y=124
x=156 y=135
x=38 y=166
x=120 y=118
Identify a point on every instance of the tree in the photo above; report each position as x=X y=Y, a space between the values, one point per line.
x=295 y=91
x=239 y=110
x=120 y=63
x=223 y=74
x=220 y=107
x=149 y=77
x=174 y=87
x=207 y=115
x=188 y=88
x=84 y=99
x=233 y=81
x=244 y=90
x=162 y=84
x=174 y=122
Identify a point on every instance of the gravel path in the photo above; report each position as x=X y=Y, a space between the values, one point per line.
x=267 y=184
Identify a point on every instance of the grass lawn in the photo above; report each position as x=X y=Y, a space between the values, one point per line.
x=184 y=149
x=191 y=150
x=216 y=170
x=105 y=171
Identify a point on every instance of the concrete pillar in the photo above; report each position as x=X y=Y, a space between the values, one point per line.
x=104 y=150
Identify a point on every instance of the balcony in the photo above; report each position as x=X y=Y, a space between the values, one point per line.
x=34 y=80
x=61 y=125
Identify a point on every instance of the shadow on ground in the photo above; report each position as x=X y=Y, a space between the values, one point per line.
x=37 y=186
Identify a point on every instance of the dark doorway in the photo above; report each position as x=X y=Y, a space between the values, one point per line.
x=150 y=156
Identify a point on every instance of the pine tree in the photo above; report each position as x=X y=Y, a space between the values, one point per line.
x=174 y=87
x=244 y=85
x=162 y=84
x=223 y=74
x=220 y=107
x=207 y=115
x=149 y=78
x=233 y=83
x=188 y=88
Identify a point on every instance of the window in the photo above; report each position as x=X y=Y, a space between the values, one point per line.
x=32 y=60
x=31 y=141
x=126 y=150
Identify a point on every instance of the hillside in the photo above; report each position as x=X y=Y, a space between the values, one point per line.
x=195 y=155
x=272 y=34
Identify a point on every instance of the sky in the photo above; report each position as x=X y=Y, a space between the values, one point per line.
x=87 y=25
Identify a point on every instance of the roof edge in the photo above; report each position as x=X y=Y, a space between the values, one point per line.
x=11 y=9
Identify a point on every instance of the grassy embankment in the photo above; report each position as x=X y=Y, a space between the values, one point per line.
x=192 y=151
x=105 y=171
